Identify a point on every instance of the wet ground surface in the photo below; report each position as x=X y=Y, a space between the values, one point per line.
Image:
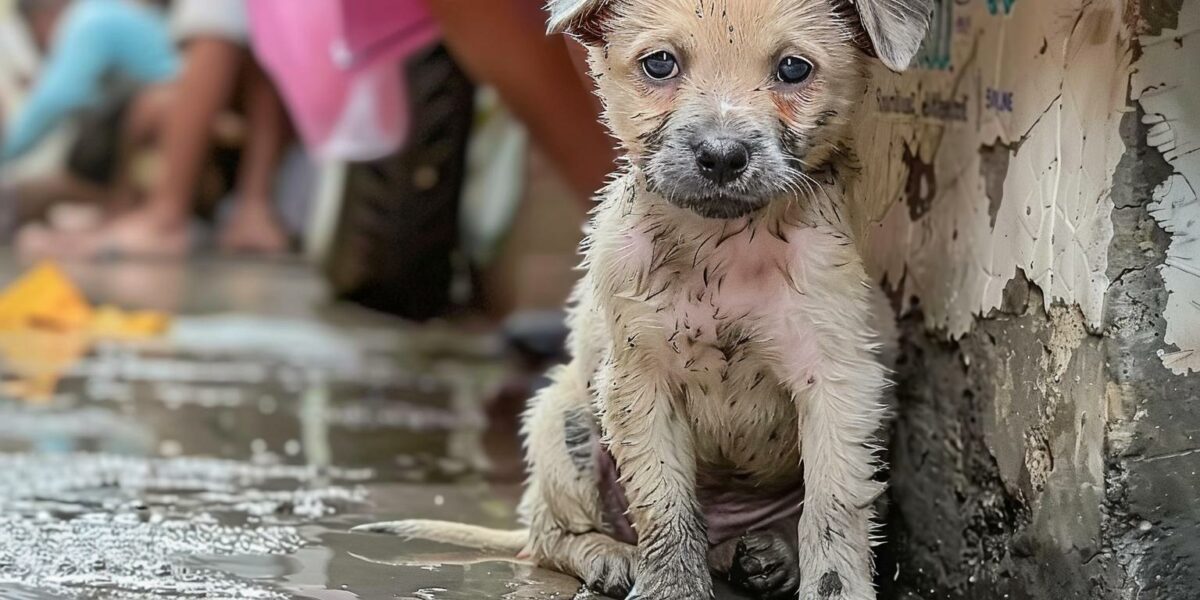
x=229 y=459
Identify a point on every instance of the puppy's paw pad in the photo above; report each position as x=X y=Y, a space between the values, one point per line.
x=765 y=565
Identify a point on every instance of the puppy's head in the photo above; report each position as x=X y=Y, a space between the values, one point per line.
x=725 y=105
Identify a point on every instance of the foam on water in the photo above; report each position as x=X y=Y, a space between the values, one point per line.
x=85 y=525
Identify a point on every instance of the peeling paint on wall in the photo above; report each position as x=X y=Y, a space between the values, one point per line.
x=1167 y=84
x=1044 y=83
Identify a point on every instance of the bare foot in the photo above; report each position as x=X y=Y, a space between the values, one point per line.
x=35 y=241
x=253 y=228
x=137 y=234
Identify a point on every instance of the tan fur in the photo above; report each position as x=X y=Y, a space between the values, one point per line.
x=718 y=351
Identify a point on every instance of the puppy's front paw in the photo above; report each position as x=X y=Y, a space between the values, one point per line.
x=766 y=566
x=835 y=561
x=611 y=575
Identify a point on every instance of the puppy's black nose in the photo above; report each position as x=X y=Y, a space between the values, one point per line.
x=722 y=160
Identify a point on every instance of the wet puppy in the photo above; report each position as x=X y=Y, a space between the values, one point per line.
x=725 y=368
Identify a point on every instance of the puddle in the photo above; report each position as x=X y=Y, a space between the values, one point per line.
x=424 y=571
x=229 y=458
x=120 y=555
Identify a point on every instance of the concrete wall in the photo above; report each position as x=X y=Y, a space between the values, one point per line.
x=1040 y=232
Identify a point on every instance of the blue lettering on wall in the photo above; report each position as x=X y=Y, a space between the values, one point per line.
x=999 y=100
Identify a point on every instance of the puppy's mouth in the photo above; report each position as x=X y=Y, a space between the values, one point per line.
x=718 y=206
x=730 y=201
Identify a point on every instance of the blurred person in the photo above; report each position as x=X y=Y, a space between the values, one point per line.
x=88 y=44
x=540 y=78
x=102 y=60
x=214 y=34
x=395 y=240
x=503 y=43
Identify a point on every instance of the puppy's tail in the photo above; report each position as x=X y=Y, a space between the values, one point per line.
x=457 y=534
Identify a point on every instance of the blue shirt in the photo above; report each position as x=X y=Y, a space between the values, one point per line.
x=94 y=38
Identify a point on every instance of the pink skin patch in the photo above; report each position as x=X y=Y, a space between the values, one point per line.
x=727 y=514
x=752 y=275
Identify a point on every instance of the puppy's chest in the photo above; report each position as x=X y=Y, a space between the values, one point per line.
x=721 y=295
x=744 y=425
x=723 y=360
x=721 y=302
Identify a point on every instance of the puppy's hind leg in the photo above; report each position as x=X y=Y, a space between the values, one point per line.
x=562 y=505
x=602 y=563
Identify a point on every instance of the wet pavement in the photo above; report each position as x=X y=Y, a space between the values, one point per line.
x=229 y=458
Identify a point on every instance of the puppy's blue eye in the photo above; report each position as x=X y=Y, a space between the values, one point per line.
x=660 y=65
x=793 y=70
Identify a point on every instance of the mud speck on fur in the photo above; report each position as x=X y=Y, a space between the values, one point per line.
x=831 y=585
x=577 y=434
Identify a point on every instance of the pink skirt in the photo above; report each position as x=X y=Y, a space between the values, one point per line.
x=338 y=67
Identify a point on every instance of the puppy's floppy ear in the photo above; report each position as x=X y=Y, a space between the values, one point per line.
x=896 y=28
x=582 y=19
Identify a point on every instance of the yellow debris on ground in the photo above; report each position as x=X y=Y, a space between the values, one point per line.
x=47 y=325
x=44 y=298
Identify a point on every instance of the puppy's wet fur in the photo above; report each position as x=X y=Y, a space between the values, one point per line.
x=726 y=340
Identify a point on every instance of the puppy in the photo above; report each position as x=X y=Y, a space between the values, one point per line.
x=725 y=367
